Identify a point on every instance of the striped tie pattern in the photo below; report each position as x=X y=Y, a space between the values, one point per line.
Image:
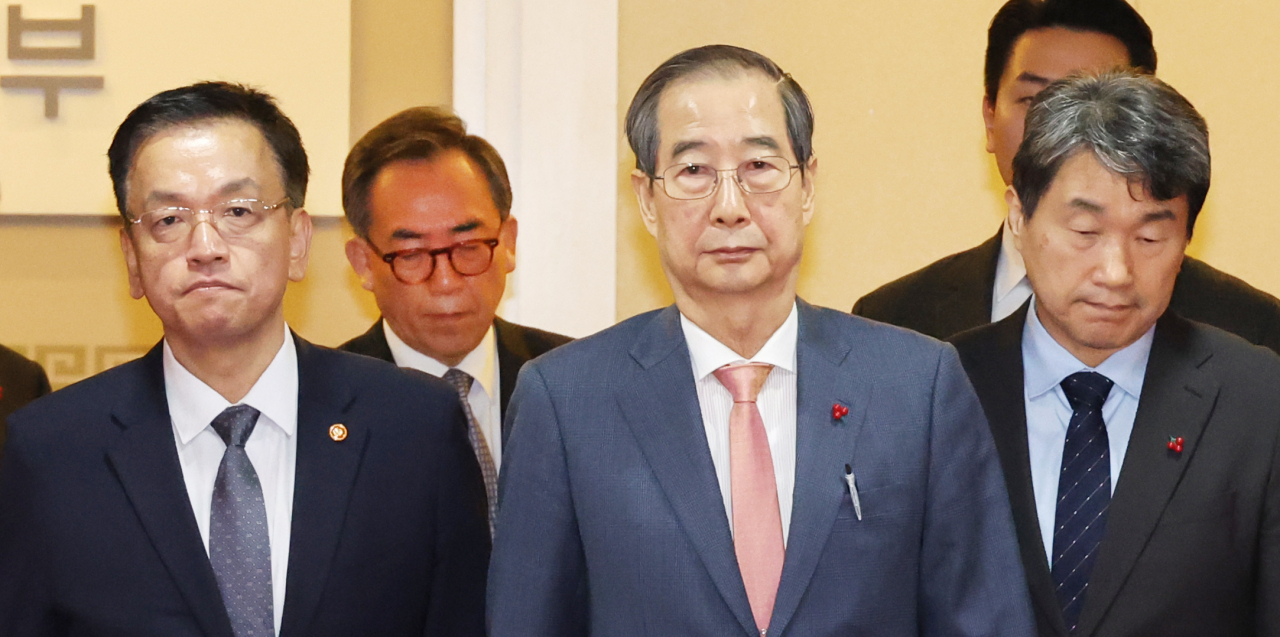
x=1084 y=492
x=239 y=544
x=461 y=382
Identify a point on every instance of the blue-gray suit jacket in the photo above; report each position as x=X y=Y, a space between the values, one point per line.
x=612 y=522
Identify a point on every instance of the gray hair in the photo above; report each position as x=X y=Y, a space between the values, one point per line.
x=723 y=60
x=1137 y=126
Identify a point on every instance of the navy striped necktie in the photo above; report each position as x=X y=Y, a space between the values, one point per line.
x=1084 y=492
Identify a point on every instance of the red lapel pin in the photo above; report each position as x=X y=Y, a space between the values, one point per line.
x=839 y=411
x=1175 y=444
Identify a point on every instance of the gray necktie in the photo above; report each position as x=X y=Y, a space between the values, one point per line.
x=239 y=545
x=461 y=382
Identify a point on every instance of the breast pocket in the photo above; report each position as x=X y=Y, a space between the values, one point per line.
x=884 y=501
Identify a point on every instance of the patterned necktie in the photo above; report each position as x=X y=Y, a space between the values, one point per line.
x=1084 y=492
x=461 y=382
x=239 y=544
x=757 y=522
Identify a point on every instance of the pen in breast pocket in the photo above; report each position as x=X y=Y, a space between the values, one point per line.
x=853 y=490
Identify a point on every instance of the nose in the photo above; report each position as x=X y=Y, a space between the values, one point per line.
x=443 y=277
x=1116 y=268
x=206 y=243
x=730 y=207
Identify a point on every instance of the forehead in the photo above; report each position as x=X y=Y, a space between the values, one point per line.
x=448 y=188
x=1084 y=183
x=717 y=111
x=201 y=159
x=1055 y=52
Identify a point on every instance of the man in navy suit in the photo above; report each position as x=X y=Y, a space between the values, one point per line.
x=236 y=480
x=745 y=462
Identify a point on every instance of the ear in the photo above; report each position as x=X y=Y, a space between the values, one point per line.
x=131 y=263
x=299 y=243
x=510 y=229
x=989 y=120
x=1017 y=220
x=806 y=184
x=643 y=187
x=358 y=257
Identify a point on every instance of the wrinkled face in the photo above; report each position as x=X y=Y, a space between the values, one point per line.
x=730 y=243
x=1102 y=257
x=1039 y=58
x=434 y=204
x=208 y=288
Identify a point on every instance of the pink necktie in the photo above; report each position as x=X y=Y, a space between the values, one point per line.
x=757 y=523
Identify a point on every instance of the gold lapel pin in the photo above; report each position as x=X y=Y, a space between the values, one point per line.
x=338 y=432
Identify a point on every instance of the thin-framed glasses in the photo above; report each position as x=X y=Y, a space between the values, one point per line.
x=415 y=265
x=758 y=176
x=234 y=218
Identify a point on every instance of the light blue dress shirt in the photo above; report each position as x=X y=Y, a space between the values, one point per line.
x=1045 y=364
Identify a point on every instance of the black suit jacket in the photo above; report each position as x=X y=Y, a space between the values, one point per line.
x=517 y=345
x=953 y=294
x=97 y=534
x=21 y=381
x=1192 y=543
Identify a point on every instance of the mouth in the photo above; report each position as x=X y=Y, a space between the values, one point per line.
x=1113 y=309
x=207 y=286
x=733 y=254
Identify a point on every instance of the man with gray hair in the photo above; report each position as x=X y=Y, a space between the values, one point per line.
x=1141 y=450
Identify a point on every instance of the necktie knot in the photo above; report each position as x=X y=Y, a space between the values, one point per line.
x=743 y=380
x=460 y=380
x=1087 y=390
x=235 y=424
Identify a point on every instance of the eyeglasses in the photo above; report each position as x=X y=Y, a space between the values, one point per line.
x=758 y=176
x=416 y=265
x=231 y=219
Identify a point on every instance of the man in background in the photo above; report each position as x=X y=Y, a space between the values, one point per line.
x=21 y=381
x=235 y=480
x=435 y=240
x=1141 y=450
x=1030 y=44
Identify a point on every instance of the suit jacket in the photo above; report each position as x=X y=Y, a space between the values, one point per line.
x=21 y=381
x=612 y=521
x=97 y=534
x=517 y=345
x=1192 y=543
x=953 y=294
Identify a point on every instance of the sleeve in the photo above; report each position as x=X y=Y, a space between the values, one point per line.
x=971 y=574
x=462 y=537
x=537 y=580
x=1268 y=621
x=25 y=598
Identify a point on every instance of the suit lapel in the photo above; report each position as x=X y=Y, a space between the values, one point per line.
x=513 y=353
x=660 y=404
x=324 y=478
x=1177 y=400
x=145 y=459
x=995 y=369
x=968 y=303
x=824 y=446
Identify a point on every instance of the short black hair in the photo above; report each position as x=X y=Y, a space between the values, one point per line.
x=1115 y=18
x=204 y=101
x=1135 y=125
x=717 y=59
x=420 y=133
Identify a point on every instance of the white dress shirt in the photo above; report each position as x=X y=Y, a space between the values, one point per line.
x=1045 y=365
x=481 y=364
x=272 y=447
x=1011 y=288
x=776 y=402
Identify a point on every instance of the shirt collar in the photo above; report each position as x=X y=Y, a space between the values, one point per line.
x=193 y=404
x=480 y=363
x=709 y=354
x=1010 y=268
x=1049 y=362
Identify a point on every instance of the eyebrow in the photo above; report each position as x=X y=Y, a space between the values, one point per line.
x=1163 y=214
x=166 y=197
x=467 y=226
x=1086 y=205
x=1032 y=78
x=762 y=141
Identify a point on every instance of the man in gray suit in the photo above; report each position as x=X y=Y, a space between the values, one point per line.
x=745 y=462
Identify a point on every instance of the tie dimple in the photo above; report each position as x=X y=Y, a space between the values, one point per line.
x=239 y=542
x=461 y=382
x=1084 y=492
x=757 y=521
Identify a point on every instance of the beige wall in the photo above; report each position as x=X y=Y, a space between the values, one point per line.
x=63 y=294
x=897 y=89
